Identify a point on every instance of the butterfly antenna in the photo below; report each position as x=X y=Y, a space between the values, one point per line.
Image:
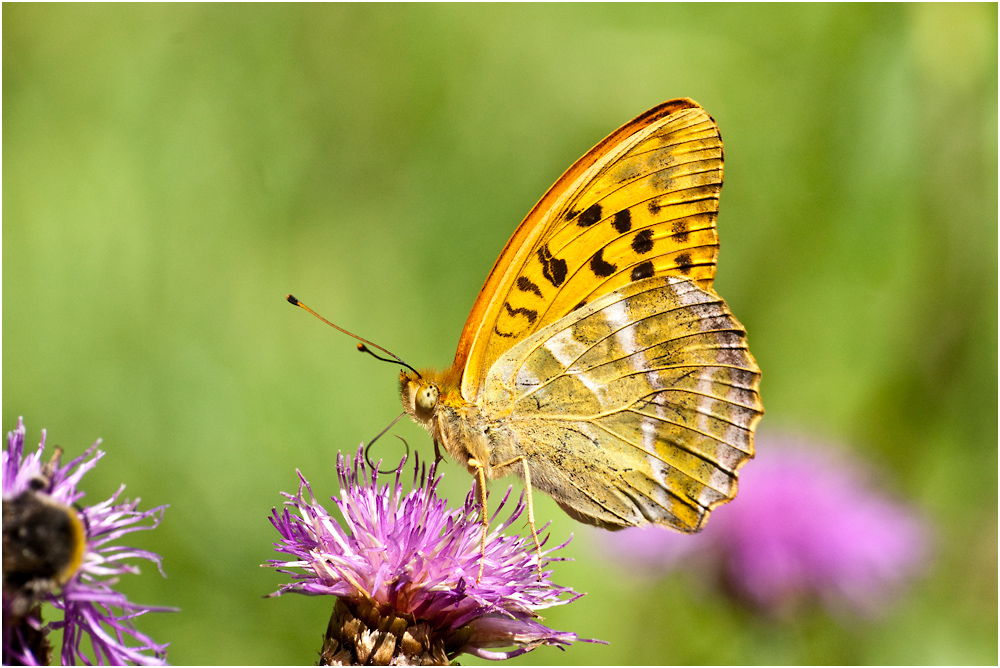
x=361 y=346
x=380 y=434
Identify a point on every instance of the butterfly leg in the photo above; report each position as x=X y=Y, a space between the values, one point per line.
x=481 y=479
x=437 y=452
x=531 y=506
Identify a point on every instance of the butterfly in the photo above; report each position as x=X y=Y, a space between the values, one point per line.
x=597 y=362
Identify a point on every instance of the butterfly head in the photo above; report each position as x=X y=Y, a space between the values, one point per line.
x=420 y=396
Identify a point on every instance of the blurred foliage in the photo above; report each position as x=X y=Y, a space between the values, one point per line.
x=171 y=171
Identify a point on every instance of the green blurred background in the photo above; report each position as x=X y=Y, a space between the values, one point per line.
x=171 y=172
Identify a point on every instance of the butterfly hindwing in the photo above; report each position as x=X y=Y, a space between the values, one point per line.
x=639 y=407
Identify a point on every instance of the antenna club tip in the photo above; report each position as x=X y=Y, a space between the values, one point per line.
x=292 y=300
x=362 y=348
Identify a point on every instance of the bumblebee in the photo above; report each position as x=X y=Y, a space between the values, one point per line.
x=43 y=545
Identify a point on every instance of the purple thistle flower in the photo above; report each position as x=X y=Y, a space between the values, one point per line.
x=404 y=568
x=806 y=524
x=60 y=554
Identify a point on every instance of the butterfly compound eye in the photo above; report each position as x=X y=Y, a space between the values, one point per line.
x=427 y=398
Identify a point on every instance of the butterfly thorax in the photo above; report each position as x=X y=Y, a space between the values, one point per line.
x=435 y=402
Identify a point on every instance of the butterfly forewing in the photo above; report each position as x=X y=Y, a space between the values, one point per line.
x=640 y=206
x=636 y=408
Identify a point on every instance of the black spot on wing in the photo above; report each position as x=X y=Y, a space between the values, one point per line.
x=642 y=242
x=680 y=229
x=684 y=262
x=528 y=313
x=644 y=270
x=654 y=207
x=590 y=216
x=503 y=334
x=623 y=221
x=553 y=268
x=525 y=284
x=580 y=305
x=600 y=267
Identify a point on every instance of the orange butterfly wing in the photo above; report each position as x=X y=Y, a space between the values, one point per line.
x=641 y=203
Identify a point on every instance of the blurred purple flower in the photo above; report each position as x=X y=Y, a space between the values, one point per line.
x=60 y=554
x=806 y=524
x=404 y=570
